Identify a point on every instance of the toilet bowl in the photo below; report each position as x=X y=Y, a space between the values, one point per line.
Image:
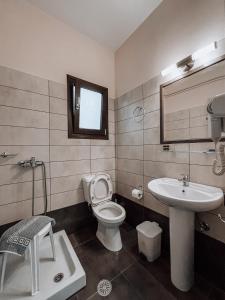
x=98 y=191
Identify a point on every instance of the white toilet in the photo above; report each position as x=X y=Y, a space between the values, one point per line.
x=98 y=191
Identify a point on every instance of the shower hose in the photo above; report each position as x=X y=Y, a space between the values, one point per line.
x=44 y=187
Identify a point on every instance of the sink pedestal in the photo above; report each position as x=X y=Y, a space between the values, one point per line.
x=182 y=228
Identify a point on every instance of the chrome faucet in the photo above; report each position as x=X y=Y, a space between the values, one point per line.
x=185 y=179
x=30 y=163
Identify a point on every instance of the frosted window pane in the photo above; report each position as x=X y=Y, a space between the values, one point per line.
x=90 y=109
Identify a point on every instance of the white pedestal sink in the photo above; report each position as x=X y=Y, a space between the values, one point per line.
x=184 y=201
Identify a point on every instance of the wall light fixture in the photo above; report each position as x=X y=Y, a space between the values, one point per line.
x=188 y=62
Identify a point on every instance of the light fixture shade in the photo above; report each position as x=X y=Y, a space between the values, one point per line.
x=204 y=51
x=188 y=62
x=169 y=70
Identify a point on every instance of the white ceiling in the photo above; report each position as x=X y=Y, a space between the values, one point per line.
x=109 y=22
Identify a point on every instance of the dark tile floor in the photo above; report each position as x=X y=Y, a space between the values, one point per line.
x=132 y=277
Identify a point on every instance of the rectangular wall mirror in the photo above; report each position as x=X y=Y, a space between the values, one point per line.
x=183 y=103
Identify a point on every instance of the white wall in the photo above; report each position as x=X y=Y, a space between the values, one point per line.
x=34 y=42
x=176 y=29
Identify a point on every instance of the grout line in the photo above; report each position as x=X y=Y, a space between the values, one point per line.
x=59 y=114
x=28 y=91
x=25 y=200
x=23 y=108
x=147 y=113
x=54 y=97
x=21 y=126
x=77 y=174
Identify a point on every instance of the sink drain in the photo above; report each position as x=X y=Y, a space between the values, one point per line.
x=104 y=288
x=58 y=277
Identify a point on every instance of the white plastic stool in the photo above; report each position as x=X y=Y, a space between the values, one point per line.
x=33 y=252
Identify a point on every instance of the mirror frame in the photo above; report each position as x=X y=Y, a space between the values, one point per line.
x=186 y=74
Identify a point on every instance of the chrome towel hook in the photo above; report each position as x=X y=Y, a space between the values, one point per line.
x=6 y=154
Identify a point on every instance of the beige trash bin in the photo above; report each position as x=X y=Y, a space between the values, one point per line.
x=149 y=239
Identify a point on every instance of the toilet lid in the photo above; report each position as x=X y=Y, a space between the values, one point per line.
x=101 y=189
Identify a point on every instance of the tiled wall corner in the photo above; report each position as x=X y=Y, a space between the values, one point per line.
x=24 y=130
x=33 y=122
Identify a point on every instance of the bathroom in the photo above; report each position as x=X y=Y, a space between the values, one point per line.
x=134 y=54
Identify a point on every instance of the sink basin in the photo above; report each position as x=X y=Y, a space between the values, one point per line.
x=195 y=197
x=183 y=202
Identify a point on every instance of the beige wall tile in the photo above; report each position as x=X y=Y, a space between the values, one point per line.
x=24 y=152
x=154 y=204
x=99 y=165
x=152 y=86
x=130 y=152
x=130 y=165
x=58 y=106
x=23 y=81
x=152 y=120
x=111 y=116
x=129 y=125
x=162 y=169
x=59 y=137
x=23 y=136
x=67 y=168
x=67 y=183
x=130 y=97
x=126 y=112
x=57 y=90
x=11 y=193
x=58 y=122
x=112 y=129
x=64 y=153
x=179 y=153
x=110 y=142
x=22 y=117
x=131 y=179
x=23 y=99
x=15 y=211
x=131 y=138
x=66 y=199
x=102 y=152
x=152 y=103
x=152 y=136
x=204 y=175
x=111 y=103
x=14 y=174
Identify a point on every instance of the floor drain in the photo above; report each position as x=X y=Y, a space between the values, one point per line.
x=58 y=277
x=104 y=288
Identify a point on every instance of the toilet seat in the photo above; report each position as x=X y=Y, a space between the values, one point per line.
x=109 y=212
x=101 y=189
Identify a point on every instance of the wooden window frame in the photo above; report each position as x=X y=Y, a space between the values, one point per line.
x=74 y=112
